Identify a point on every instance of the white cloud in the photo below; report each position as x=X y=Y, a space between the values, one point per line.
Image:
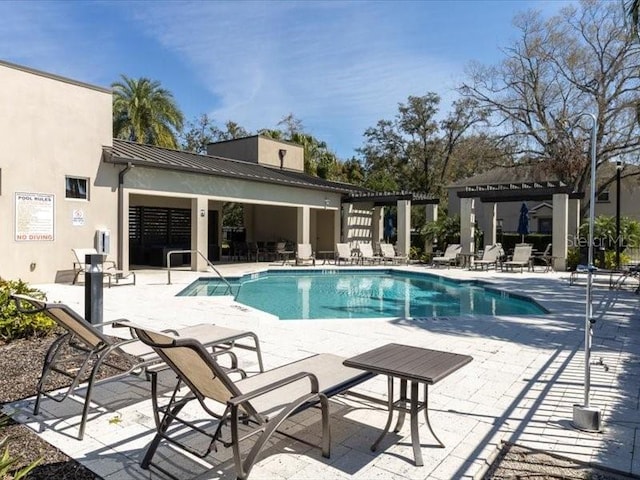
x=337 y=66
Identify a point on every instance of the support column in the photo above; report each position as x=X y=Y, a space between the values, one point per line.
x=490 y=213
x=199 y=232
x=467 y=225
x=403 y=244
x=574 y=218
x=431 y=215
x=123 y=238
x=247 y=221
x=346 y=215
x=377 y=225
x=304 y=224
x=560 y=230
x=336 y=227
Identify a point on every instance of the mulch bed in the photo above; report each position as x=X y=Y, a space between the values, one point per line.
x=20 y=364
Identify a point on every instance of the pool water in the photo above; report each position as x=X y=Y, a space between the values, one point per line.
x=364 y=294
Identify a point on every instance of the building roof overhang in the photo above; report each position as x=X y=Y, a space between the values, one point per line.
x=381 y=199
x=136 y=154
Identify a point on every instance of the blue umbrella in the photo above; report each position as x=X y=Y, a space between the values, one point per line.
x=388 y=228
x=523 y=221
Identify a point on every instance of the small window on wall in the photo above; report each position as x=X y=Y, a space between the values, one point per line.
x=603 y=197
x=77 y=188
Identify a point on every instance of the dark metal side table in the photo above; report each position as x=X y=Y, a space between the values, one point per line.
x=409 y=364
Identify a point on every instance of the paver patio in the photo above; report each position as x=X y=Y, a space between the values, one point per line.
x=526 y=375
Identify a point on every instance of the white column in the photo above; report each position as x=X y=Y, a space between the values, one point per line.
x=467 y=224
x=560 y=230
x=404 y=227
x=124 y=235
x=247 y=221
x=377 y=224
x=490 y=214
x=304 y=224
x=346 y=214
x=336 y=227
x=574 y=217
x=199 y=232
x=431 y=215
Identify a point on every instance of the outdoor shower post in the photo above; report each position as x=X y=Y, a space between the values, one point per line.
x=93 y=293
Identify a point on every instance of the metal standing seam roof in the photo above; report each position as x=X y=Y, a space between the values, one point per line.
x=138 y=154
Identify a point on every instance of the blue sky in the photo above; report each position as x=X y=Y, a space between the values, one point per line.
x=338 y=66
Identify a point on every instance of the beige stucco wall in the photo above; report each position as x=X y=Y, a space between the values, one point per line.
x=52 y=127
x=262 y=150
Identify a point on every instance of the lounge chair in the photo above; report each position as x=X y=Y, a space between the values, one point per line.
x=450 y=256
x=521 y=258
x=547 y=258
x=367 y=255
x=389 y=254
x=304 y=254
x=91 y=349
x=108 y=267
x=490 y=257
x=264 y=400
x=343 y=253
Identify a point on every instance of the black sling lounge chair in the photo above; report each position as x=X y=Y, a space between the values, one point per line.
x=91 y=349
x=264 y=400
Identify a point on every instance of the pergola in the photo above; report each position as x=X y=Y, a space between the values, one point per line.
x=403 y=201
x=558 y=192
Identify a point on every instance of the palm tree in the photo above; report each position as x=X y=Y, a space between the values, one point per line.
x=145 y=112
x=633 y=9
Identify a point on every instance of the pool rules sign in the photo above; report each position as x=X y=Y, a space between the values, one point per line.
x=35 y=217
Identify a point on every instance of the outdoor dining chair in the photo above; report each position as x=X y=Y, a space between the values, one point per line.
x=258 y=404
x=91 y=349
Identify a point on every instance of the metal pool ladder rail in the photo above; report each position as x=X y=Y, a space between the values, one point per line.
x=205 y=259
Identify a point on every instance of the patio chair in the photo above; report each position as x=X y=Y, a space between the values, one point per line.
x=389 y=254
x=521 y=258
x=304 y=254
x=490 y=257
x=108 y=267
x=264 y=400
x=450 y=256
x=91 y=349
x=367 y=255
x=343 y=253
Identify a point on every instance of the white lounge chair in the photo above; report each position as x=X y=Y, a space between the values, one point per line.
x=389 y=254
x=304 y=254
x=109 y=270
x=490 y=257
x=367 y=255
x=521 y=258
x=343 y=253
x=450 y=256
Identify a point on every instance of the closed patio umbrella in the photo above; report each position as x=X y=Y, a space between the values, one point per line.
x=523 y=221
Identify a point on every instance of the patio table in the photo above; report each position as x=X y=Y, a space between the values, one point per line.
x=409 y=364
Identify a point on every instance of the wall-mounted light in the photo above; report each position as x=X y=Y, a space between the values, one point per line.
x=281 y=154
x=326 y=203
x=202 y=212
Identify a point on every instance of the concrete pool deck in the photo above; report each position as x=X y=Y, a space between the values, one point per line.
x=526 y=375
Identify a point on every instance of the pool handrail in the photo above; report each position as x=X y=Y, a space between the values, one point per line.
x=226 y=282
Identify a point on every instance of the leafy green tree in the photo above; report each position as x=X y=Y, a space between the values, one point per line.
x=145 y=112
x=445 y=230
x=416 y=152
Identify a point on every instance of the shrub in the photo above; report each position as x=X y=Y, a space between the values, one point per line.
x=13 y=324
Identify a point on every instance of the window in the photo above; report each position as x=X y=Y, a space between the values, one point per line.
x=76 y=187
x=545 y=225
x=603 y=197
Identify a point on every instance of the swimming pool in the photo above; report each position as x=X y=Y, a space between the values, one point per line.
x=295 y=294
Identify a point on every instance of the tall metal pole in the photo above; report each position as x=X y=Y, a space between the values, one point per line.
x=584 y=417
x=618 y=169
